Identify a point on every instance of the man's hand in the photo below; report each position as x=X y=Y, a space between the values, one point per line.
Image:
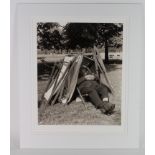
x=90 y=77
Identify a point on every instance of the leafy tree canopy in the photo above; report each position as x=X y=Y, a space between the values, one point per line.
x=89 y=34
x=48 y=36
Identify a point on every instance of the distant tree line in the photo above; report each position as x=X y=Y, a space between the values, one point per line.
x=79 y=35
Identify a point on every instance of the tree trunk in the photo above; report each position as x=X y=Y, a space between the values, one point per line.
x=106 y=53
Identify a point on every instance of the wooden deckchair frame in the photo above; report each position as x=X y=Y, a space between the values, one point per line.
x=98 y=66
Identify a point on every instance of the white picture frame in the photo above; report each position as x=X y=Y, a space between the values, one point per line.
x=128 y=139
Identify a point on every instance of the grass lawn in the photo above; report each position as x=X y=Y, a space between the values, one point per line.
x=76 y=114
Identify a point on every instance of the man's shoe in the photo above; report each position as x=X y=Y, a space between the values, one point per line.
x=111 y=110
x=108 y=107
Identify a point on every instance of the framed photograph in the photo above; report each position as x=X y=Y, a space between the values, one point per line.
x=73 y=74
x=78 y=77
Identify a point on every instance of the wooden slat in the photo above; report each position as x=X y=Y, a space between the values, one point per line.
x=67 y=69
x=51 y=79
x=83 y=101
x=54 y=85
x=61 y=91
x=74 y=78
x=100 y=62
x=96 y=66
x=61 y=82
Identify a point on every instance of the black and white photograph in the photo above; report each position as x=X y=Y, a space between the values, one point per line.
x=79 y=73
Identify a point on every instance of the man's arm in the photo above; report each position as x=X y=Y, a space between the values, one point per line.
x=80 y=80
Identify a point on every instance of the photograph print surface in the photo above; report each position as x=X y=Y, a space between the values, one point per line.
x=79 y=73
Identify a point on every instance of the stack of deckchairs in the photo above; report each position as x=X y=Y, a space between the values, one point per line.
x=62 y=82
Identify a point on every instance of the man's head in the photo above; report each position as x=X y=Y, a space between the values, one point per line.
x=84 y=70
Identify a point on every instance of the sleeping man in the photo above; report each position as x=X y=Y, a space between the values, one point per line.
x=98 y=93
